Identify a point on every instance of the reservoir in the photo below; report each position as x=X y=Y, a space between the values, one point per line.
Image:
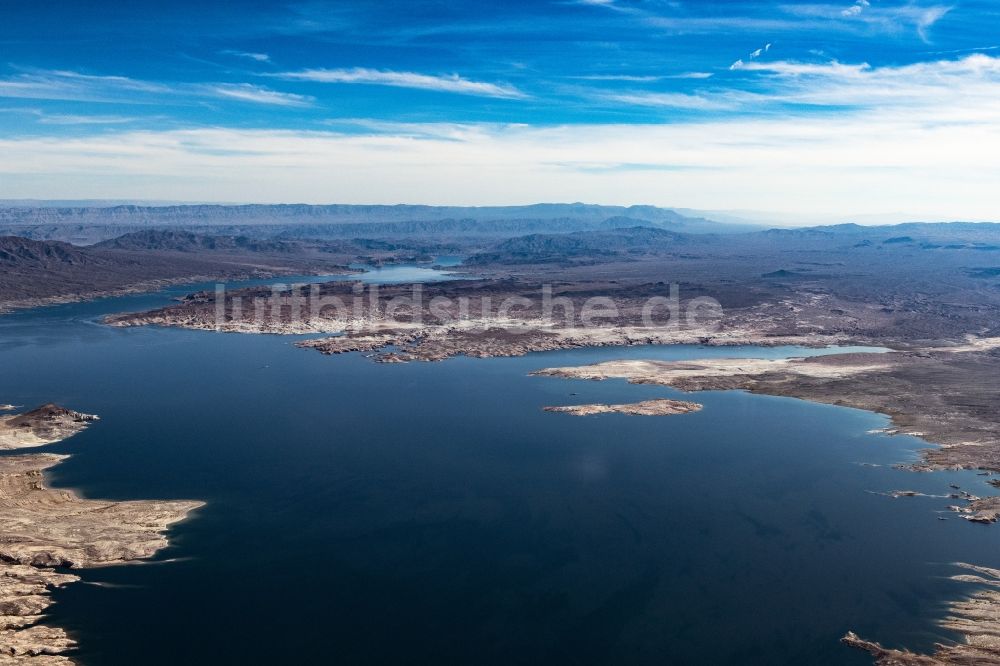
x=365 y=513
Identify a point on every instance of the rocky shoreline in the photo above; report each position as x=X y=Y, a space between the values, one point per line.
x=46 y=533
x=976 y=619
x=911 y=387
x=966 y=435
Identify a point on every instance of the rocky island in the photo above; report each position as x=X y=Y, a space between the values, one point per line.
x=46 y=533
x=661 y=407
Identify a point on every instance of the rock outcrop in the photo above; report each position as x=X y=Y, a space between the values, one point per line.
x=47 y=424
x=976 y=619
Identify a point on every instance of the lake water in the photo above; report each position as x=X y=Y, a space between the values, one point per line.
x=425 y=513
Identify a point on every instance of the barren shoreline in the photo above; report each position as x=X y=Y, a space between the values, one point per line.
x=966 y=440
x=46 y=533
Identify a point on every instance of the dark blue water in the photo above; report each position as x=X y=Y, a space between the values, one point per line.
x=432 y=513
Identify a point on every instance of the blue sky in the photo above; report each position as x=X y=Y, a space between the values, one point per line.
x=807 y=108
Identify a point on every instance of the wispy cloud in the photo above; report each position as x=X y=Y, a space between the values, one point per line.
x=890 y=19
x=75 y=119
x=634 y=78
x=714 y=102
x=963 y=90
x=936 y=89
x=856 y=9
x=612 y=5
x=643 y=78
x=691 y=75
x=753 y=55
x=928 y=17
x=250 y=93
x=860 y=17
x=46 y=118
x=259 y=57
x=74 y=86
x=452 y=83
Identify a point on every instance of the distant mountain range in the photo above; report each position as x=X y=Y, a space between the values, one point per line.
x=91 y=224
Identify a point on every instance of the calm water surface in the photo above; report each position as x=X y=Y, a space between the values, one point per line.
x=432 y=513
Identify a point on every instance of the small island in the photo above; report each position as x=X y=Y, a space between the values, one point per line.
x=660 y=407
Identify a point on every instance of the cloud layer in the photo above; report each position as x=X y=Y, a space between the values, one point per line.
x=855 y=163
x=452 y=83
x=848 y=105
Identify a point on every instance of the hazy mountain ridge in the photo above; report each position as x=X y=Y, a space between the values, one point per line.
x=86 y=225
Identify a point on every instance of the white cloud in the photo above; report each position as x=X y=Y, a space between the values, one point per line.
x=68 y=85
x=672 y=100
x=74 y=86
x=448 y=83
x=74 y=119
x=250 y=93
x=856 y=9
x=756 y=53
x=936 y=89
x=862 y=15
x=878 y=161
x=928 y=18
x=259 y=57
x=832 y=69
x=620 y=77
x=46 y=118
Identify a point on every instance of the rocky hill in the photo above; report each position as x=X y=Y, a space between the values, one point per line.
x=585 y=246
x=169 y=240
x=24 y=253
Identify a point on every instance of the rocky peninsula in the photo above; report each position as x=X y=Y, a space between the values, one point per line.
x=47 y=533
x=47 y=424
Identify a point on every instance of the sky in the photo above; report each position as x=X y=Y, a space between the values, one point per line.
x=814 y=110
